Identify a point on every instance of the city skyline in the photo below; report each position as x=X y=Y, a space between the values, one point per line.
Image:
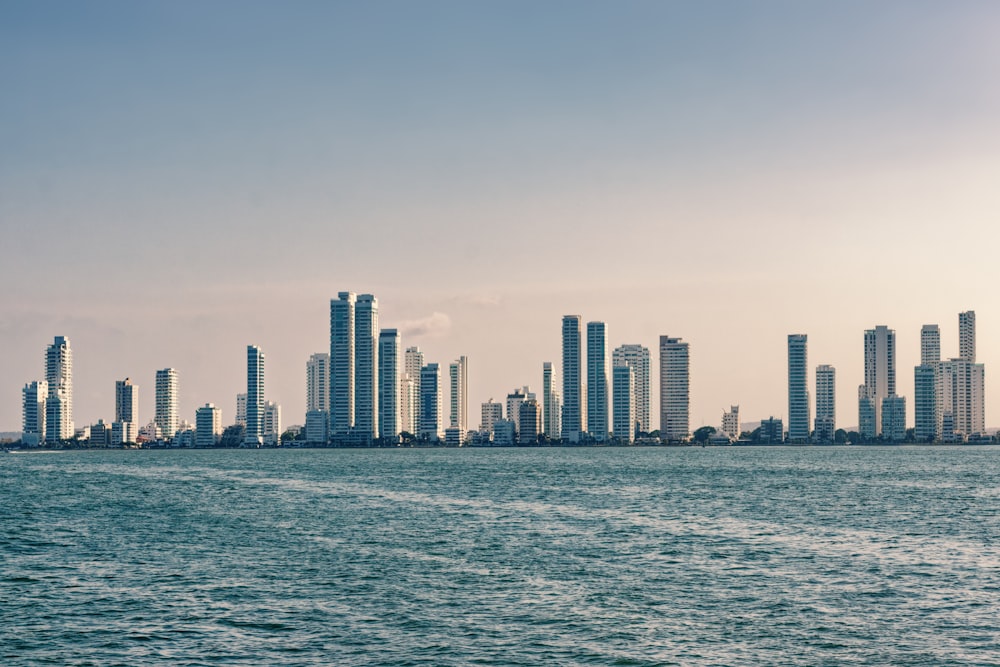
x=174 y=189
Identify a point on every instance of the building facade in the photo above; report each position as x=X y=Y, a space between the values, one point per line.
x=826 y=403
x=597 y=381
x=255 y=395
x=458 y=382
x=572 y=363
x=59 y=402
x=207 y=426
x=636 y=356
x=166 y=413
x=624 y=421
x=342 y=328
x=388 y=384
x=798 y=388
x=430 y=403
x=318 y=382
x=880 y=368
x=674 y=389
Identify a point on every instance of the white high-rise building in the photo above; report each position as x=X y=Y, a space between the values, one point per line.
x=458 y=376
x=241 y=409
x=880 y=368
x=514 y=400
x=430 y=403
x=572 y=361
x=731 y=422
x=33 y=412
x=388 y=384
x=930 y=344
x=318 y=382
x=255 y=395
x=492 y=412
x=409 y=396
x=636 y=356
x=551 y=409
x=926 y=394
x=674 y=389
x=960 y=385
x=624 y=421
x=166 y=415
x=126 y=402
x=798 y=388
x=271 y=423
x=967 y=336
x=208 y=426
x=597 y=381
x=366 y=394
x=342 y=328
x=826 y=403
x=59 y=402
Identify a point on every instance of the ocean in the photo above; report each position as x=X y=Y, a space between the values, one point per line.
x=549 y=556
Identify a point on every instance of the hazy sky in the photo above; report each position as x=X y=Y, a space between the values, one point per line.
x=180 y=179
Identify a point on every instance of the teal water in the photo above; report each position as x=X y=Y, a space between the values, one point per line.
x=660 y=556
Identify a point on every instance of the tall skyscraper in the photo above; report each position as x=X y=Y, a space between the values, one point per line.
x=430 y=403
x=674 y=389
x=342 y=364
x=318 y=382
x=514 y=401
x=551 y=409
x=826 y=403
x=572 y=360
x=636 y=356
x=960 y=385
x=388 y=384
x=126 y=401
x=166 y=402
x=271 y=423
x=798 y=388
x=409 y=393
x=207 y=426
x=597 y=381
x=366 y=333
x=458 y=376
x=880 y=368
x=926 y=394
x=624 y=422
x=33 y=413
x=255 y=395
x=967 y=336
x=930 y=344
x=59 y=402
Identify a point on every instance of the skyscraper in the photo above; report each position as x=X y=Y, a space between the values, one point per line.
x=33 y=413
x=388 y=384
x=458 y=376
x=623 y=423
x=880 y=368
x=960 y=387
x=241 y=409
x=59 y=402
x=674 y=389
x=366 y=333
x=166 y=402
x=637 y=356
x=409 y=392
x=342 y=364
x=926 y=394
x=126 y=401
x=597 y=381
x=430 y=403
x=271 y=423
x=798 y=388
x=318 y=382
x=530 y=422
x=967 y=336
x=255 y=395
x=826 y=403
x=551 y=410
x=930 y=343
x=572 y=416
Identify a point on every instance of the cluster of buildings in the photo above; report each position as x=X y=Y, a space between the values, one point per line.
x=369 y=390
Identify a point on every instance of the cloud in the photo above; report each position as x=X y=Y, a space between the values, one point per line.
x=434 y=325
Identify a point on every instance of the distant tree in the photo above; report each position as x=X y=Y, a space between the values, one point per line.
x=755 y=435
x=840 y=436
x=911 y=435
x=289 y=436
x=406 y=438
x=854 y=437
x=233 y=436
x=702 y=435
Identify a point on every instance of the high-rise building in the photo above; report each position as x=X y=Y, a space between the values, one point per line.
x=624 y=422
x=126 y=401
x=388 y=384
x=59 y=402
x=514 y=401
x=674 y=389
x=366 y=333
x=551 y=409
x=530 y=421
x=597 y=381
x=572 y=361
x=255 y=395
x=798 y=388
x=960 y=385
x=166 y=402
x=208 y=426
x=342 y=329
x=636 y=356
x=409 y=393
x=492 y=412
x=318 y=382
x=271 y=423
x=826 y=403
x=458 y=376
x=731 y=422
x=967 y=336
x=894 y=418
x=866 y=414
x=33 y=412
x=241 y=409
x=925 y=402
x=930 y=344
x=430 y=403
x=880 y=367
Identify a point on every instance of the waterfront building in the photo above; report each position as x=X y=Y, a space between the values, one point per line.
x=59 y=402
x=33 y=397
x=366 y=394
x=866 y=414
x=930 y=344
x=894 y=418
x=798 y=388
x=255 y=395
x=514 y=400
x=880 y=368
x=925 y=403
x=100 y=434
x=551 y=409
x=123 y=433
x=318 y=382
x=624 y=424
x=271 y=423
x=317 y=427
x=772 y=432
x=504 y=433
x=166 y=412
x=597 y=381
x=430 y=403
x=826 y=403
x=388 y=384
x=731 y=422
x=960 y=383
x=572 y=408
x=454 y=436
x=674 y=389
x=342 y=330
x=126 y=401
x=636 y=356
x=208 y=426
x=241 y=409
x=967 y=336
x=529 y=422
x=413 y=362
x=492 y=412
x=458 y=381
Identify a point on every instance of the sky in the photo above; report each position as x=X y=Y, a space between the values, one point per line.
x=181 y=179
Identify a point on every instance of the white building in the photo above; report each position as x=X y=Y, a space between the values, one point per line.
x=514 y=401
x=208 y=426
x=880 y=368
x=731 y=422
x=967 y=336
x=59 y=402
x=960 y=385
x=255 y=395
x=551 y=409
x=33 y=412
x=388 y=384
x=166 y=413
x=572 y=361
x=504 y=433
x=636 y=356
x=366 y=333
x=458 y=376
x=409 y=395
x=318 y=382
x=241 y=409
x=271 y=423
x=597 y=381
x=826 y=403
x=926 y=394
x=342 y=329
x=674 y=389
x=430 y=403
x=317 y=427
x=126 y=402
x=624 y=421
x=798 y=388
x=123 y=433
x=492 y=412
